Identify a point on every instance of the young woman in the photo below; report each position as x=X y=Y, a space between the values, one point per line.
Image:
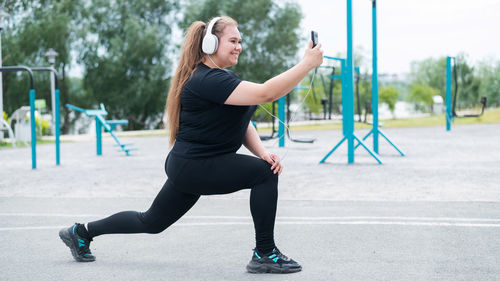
x=209 y=110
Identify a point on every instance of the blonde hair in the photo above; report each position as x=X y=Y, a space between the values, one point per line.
x=191 y=57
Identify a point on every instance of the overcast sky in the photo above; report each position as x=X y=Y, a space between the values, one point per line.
x=409 y=30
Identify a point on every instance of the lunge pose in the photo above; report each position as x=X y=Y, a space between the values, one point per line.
x=209 y=110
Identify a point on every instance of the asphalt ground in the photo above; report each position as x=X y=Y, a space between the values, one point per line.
x=431 y=215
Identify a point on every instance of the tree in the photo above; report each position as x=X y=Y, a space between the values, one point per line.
x=270 y=34
x=489 y=75
x=389 y=96
x=125 y=57
x=421 y=95
x=430 y=72
x=31 y=31
x=468 y=83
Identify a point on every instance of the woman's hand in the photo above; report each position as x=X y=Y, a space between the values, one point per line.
x=274 y=160
x=313 y=56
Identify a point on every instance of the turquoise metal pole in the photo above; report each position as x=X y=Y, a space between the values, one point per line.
x=344 y=88
x=375 y=129
x=374 y=78
x=348 y=99
x=57 y=125
x=449 y=117
x=98 y=135
x=282 y=117
x=33 y=128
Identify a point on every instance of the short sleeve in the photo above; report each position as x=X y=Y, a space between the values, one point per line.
x=214 y=85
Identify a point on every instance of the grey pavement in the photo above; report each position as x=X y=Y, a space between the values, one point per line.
x=431 y=215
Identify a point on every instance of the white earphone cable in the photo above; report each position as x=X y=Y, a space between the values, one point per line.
x=213 y=62
x=287 y=129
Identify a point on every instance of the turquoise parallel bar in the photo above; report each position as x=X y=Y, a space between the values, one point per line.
x=348 y=100
x=449 y=116
x=98 y=134
x=282 y=117
x=57 y=125
x=374 y=78
x=342 y=78
x=33 y=128
x=333 y=58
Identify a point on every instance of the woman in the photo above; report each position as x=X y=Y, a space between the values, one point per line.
x=209 y=111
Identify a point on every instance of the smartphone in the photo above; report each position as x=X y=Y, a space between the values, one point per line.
x=314 y=38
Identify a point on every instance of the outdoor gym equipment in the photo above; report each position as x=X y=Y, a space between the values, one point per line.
x=32 y=107
x=289 y=118
x=282 y=111
x=451 y=103
x=328 y=103
x=108 y=125
x=56 y=109
x=348 y=94
x=346 y=78
x=375 y=131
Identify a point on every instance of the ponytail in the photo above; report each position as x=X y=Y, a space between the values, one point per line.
x=191 y=56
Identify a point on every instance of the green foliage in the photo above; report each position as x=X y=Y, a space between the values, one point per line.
x=42 y=126
x=321 y=91
x=468 y=84
x=270 y=33
x=489 y=74
x=261 y=115
x=35 y=27
x=270 y=36
x=430 y=72
x=125 y=57
x=421 y=95
x=389 y=95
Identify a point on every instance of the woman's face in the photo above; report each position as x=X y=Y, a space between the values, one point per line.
x=229 y=46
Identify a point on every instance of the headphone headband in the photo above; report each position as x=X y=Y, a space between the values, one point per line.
x=211 y=25
x=210 y=41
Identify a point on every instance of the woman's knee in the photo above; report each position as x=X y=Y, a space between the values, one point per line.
x=150 y=225
x=269 y=175
x=155 y=229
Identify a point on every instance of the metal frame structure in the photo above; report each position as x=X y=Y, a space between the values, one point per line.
x=348 y=96
x=347 y=112
x=32 y=107
x=375 y=131
x=55 y=109
x=108 y=125
x=452 y=101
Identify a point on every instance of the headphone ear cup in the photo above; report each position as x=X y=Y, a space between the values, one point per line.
x=216 y=45
x=210 y=44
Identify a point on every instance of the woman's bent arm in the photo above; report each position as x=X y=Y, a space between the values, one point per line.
x=253 y=143
x=248 y=93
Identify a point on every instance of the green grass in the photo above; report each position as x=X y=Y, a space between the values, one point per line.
x=491 y=116
x=4 y=144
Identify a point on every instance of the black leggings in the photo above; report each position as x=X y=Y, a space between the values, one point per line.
x=190 y=178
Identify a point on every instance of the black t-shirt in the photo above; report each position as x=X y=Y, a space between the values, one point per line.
x=207 y=126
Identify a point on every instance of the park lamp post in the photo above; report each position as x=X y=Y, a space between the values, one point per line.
x=2 y=16
x=51 y=55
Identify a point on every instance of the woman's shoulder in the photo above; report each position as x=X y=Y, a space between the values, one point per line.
x=204 y=73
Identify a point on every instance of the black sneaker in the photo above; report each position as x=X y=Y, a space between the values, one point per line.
x=275 y=262
x=78 y=245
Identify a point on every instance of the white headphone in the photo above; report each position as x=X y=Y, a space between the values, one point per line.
x=210 y=41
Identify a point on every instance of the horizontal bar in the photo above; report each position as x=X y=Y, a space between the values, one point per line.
x=20 y=68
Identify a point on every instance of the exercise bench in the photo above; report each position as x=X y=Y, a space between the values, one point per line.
x=108 y=125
